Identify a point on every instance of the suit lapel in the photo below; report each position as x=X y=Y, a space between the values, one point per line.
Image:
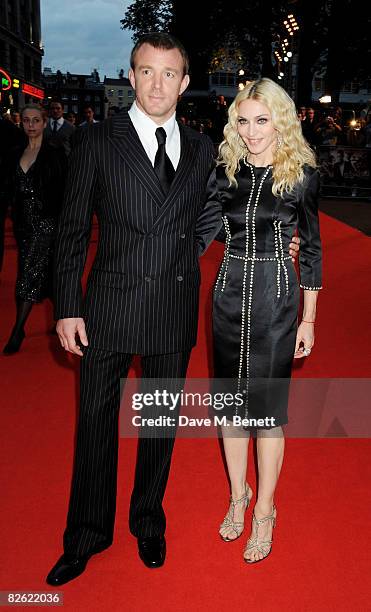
x=126 y=141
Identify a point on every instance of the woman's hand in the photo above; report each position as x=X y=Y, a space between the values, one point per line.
x=304 y=340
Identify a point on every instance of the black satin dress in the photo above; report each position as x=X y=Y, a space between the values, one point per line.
x=256 y=294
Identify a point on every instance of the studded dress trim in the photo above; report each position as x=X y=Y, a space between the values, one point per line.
x=310 y=288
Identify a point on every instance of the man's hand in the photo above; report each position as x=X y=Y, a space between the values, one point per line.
x=67 y=330
x=294 y=247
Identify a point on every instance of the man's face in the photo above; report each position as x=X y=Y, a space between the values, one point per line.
x=158 y=81
x=16 y=118
x=88 y=114
x=56 y=110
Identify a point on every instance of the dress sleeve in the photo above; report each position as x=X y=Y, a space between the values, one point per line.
x=310 y=258
x=209 y=223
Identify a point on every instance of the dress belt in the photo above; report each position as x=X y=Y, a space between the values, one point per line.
x=266 y=257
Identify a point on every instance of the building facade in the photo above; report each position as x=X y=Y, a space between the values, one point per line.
x=119 y=93
x=20 y=53
x=76 y=91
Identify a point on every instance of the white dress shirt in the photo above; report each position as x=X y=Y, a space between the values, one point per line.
x=146 y=130
x=59 y=121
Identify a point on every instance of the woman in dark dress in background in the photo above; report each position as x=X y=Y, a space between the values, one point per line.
x=264 y=187
x=34 y=178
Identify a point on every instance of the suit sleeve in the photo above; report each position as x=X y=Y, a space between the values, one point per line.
x=74 y=231
x=209 y=223
x=310 y=259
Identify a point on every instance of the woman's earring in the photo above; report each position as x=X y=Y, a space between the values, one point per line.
x=279 y=141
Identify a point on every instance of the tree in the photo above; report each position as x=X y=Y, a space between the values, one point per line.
x=333 y=38
x=348 y=55
x=209 y=30
x=313 y=22
x=332 y=32
x=147 y=16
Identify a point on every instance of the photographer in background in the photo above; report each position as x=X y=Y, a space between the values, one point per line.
x=328 y=131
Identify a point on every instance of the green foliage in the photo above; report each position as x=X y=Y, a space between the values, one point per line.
x=147 y=16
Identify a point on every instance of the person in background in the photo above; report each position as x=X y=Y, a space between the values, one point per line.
x=265 y=186
x=302 y=113
x=88 y=114
x=10 y=137
x=58 y=131
x=71 y=118
x=16 y=119
x=309 y=127
x=328 y=132
x=34 y=184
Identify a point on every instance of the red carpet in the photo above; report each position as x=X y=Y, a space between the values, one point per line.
x=321 y=554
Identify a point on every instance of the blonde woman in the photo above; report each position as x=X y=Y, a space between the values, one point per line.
x=264 y=187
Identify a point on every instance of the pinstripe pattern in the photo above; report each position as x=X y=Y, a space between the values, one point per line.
x=92 y=506
x=142 y=298
x=142 y=294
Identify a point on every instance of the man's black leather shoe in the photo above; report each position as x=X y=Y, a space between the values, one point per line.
x=67 y=568
x=152 y=551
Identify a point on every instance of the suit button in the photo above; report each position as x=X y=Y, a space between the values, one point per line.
x=147 y=279
x=179 y=278
x=182 y=236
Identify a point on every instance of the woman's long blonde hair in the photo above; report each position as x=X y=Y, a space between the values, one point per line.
x=293 y=151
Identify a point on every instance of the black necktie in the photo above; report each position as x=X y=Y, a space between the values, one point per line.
x=163 y=166
x=55 y=126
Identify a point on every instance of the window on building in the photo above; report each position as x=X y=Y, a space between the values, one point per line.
x=2 y=12
x=74 y=97
x=130 y=93
x=3 y=53
x=318 y=84
x=37 y=70
x=27 y=68
x=11 y=17
x=75 y=108
x=347 y=87
x=97 y=99
x=224 y=79
x=87 y=98
x=120 y=92
x=110 y=93
x=13 y=58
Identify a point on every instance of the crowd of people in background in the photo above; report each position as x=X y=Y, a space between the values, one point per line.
x=329 y=127
x=323 y=130
x=332 y=128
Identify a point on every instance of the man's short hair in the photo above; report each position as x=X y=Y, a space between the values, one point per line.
x=160 y=40
x=56 y=101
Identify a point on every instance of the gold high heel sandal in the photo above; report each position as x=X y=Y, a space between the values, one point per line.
x=228 y=522
x=263 y=547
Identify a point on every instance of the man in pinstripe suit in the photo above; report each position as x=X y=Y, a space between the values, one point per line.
x=142 y=294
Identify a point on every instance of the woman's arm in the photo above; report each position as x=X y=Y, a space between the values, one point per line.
x=209 y=223
x=310 y=261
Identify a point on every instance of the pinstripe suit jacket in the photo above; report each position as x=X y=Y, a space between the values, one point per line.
x=142 y=292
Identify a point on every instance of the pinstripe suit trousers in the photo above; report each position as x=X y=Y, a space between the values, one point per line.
x=92 y=507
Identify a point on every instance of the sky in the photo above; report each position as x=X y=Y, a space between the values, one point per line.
x=79 y=35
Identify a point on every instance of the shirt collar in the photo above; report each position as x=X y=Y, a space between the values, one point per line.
x=147 y=126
